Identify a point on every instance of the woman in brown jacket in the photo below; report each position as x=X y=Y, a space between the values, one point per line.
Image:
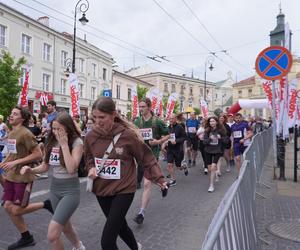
x=114 y=183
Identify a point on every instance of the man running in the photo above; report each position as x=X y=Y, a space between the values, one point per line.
x=152 y=129
x=192 y=125
x=241 y=135
x=22 y=149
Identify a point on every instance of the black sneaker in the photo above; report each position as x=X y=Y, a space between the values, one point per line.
x=139 y=219
x=22 y=243
x=205 y=171
x=186 y=171
x=172 y=183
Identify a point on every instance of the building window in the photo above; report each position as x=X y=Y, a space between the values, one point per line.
x=129 y=94
x=166 y=87
x=181 y=89
x=81 y=86
x=240 y=93
x=2 y=35
x=104 y=74
x=63 y=86
x=46 y=82
x=26 y=44
x=22 y=78
x=173 y=88
x=249 y=92
x=118 y=91
x=93 y=93
x=46 y=52
x=201 y=92
x=81 y=65
x=63 y=58
x=191 y=90
x=94 y=67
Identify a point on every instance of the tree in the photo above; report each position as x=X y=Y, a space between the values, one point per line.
x=10 y=72
x=197 y=111
x=218 y=112
x=141 y=91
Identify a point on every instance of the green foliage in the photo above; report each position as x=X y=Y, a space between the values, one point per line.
x=197 y=111
x=218 y=112
x=10 y=72
x=141 y=92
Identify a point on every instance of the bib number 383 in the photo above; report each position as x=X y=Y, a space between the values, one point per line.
x=110 y=170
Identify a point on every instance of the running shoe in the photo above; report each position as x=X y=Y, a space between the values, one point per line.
x=23 y=242
x=172 y=183
x=228 y=168
x=81 y=247
x=218 y=173
x=139 y=219
x=205 y=171
x=140 y=247
x=211 y=189
x=186 y=171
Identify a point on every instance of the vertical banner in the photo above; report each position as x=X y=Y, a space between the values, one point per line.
x=160 y=108
x=74 y=87
x=267 y=87
x=292 y=103
x=204 y=108
x=153 y=95
x=135 y=104
x=23 y=98
x=171 y=104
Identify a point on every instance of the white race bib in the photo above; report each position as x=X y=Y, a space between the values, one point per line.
x=191 y=129
x=214 y=140
x=111 y=169
x=54 y=157
x=237 y=134
x=11 y=146
x=146 y=133
x=172 y=137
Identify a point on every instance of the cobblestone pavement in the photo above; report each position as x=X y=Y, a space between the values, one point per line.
x=278 y=208
x=177 y=222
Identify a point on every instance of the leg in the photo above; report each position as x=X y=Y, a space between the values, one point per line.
x=17 y=220
x=115 y=209
x=171 y=171
x=71 y=234
x=54 y=235
x=146 y=193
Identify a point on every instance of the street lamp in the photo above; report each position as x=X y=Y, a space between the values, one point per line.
x=209 y=60
x=82 y=6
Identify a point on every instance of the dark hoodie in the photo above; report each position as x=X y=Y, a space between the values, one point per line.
x=127 y=148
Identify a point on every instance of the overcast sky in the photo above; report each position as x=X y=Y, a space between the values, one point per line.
x=131 y=30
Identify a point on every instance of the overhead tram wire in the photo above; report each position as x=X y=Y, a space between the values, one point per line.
x=194 y=38
x=174 y=65
x=225 y=51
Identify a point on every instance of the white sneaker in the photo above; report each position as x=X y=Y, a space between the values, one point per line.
x=211 y=189
x=81 y=247
x=205 y=171
x=228 y=169
x=139 y=246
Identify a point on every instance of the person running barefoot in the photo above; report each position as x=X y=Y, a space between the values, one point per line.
x=63 y=153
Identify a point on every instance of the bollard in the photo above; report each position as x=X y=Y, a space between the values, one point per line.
x=281 y=157
x=295 y=152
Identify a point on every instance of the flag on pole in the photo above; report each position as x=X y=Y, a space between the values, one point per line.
x=74 y=87
x=135 y=105
x=23 y=98
x=171 y=104
x=292 y=103
x=204 y=108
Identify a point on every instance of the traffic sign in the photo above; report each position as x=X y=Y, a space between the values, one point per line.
x=273 y=62
x=107 y=93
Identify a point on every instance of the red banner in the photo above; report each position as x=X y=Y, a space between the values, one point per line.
x=23 y=99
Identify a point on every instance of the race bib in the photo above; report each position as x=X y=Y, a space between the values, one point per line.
x=111 y=169
x=172 y=137
x=11 y=146
x=54 y=157
x=214 y=140
x=191 y=129
x=237 y=134
x=247 y=142
x=146 y=133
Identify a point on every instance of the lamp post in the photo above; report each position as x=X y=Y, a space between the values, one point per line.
x=209 y=60
x=82 y=6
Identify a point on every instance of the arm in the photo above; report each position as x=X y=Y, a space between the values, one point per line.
x=72 y=159
x=37 y=170
x=89 y=161
x=206 y=138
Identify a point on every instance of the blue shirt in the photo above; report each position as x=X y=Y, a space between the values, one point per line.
x=192 y=126
x=239 y=130
x=50 y=118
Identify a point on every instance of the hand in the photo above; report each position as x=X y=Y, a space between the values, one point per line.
x=61 y=137
x=25 y=169
x=173 y=142
x=242 y=141
x=7 y=165
x=154 y=142
x=92 y=173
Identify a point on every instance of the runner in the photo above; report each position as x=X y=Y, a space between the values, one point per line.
x=227 y=147
x=240 y=136
x=63 y=154
x=114 y=179
x=230 y=122
x=22 y=149
x=152 y=129
x=214 y=137
x=192 y=126
x=3 y=137
x=200 y=134
x=175 y=151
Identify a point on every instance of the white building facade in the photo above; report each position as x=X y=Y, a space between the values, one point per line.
x=47 y=52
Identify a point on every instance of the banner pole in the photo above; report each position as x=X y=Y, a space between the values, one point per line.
x=274 y=126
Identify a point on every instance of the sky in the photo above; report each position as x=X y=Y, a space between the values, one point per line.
x=188 y=34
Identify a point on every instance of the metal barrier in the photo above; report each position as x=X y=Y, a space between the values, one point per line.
x=233 y=226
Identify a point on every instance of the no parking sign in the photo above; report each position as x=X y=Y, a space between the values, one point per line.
x=107 y=93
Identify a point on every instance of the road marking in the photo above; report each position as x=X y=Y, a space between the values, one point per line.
x=45 y=191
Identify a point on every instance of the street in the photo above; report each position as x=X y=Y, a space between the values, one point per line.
x=179 y=221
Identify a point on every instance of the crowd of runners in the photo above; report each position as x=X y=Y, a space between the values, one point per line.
x=117 y=156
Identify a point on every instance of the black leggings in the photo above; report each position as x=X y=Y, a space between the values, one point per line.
x=115 y=209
